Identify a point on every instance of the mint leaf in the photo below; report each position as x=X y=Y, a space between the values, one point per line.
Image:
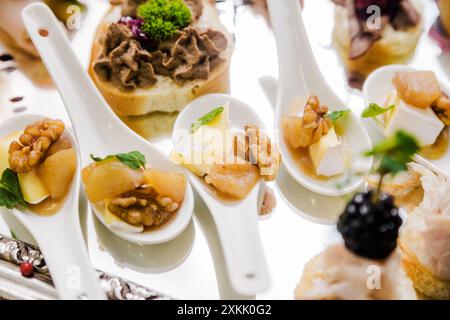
x=133 y=159
x=395 y=152
x=374 y=110
x=13 y=235
x=206 y=118
x=10 y=194
x=96 y=159
x=336 y=115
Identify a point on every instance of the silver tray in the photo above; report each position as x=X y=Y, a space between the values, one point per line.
x=192 y=265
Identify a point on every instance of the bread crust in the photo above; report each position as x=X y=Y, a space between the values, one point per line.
x=165 y=95
x=394 y=46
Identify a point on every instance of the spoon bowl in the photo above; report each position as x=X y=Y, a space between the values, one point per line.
x=59 y=235
x=98 y=129
x=236 y=221
x=375 y=90
x=299 y=77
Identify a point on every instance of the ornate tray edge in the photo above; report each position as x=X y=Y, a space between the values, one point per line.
x=15 y=252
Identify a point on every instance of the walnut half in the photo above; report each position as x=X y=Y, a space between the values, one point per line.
x=314 y=123
x=143 y=206
x=33 y=144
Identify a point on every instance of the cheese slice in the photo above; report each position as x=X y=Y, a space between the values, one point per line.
x=423 y=124
x=221 y=122
x=327 y=155
x=33 y=190
x=207 y=145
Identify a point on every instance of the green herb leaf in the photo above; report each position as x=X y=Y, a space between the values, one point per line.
x=395 y=152
x=10 y=194
x=13 y=235
x=96 y=159
x=336 y=115
x=162 y=18
x=374 y=110
x=133 y=159
x=206 y=118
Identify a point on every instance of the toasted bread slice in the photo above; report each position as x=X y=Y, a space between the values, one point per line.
x=165 y=95
x=411 y=245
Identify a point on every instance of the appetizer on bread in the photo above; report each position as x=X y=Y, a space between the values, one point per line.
x=158 y=55
x=425 y=241
x=366 y=43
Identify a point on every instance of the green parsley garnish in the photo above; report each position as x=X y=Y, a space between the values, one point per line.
x=133 y=159
x=206 y=118
x=10 y=194
x=374 y=110
x=162 y=18
x=336 y=115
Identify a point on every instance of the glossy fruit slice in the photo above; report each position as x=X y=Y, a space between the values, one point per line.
x=292 y=127
x=234 y=180
x=170 y=184
x=419 y=89
x=56 y=172
x=109 y=178
x=61 y=144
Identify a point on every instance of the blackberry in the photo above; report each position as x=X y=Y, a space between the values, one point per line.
x=370 y=226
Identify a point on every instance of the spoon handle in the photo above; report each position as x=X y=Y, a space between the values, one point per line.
x=85 y=105
x=63 y=246
x=299 y=72
x=237 y=228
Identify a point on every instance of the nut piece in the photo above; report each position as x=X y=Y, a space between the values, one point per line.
x=143 y=206
x=257 y=148
x=269 y=202
x=33 y=144
x=442 y=108
x=314 y=123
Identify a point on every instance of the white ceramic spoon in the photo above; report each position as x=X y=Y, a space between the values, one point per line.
x=300 y=76
x=376 y=88
x=59 y=236
x=236 y=221
x=310 y=205
x=98 y=129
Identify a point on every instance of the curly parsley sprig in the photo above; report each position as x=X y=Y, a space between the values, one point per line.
x=162 y=18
